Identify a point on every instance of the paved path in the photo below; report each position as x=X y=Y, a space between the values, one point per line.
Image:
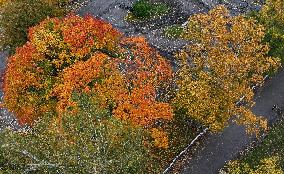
x=3 y=56
x=219 y=148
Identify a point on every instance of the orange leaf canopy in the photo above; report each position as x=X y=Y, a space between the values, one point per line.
x=85 y=54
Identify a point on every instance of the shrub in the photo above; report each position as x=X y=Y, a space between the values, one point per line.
x=174 y=31
x=144 y=9
x=16 y=16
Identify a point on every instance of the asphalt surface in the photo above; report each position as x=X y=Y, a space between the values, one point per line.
x=2 y=68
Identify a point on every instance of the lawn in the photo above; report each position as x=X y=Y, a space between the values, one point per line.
x=143 y=9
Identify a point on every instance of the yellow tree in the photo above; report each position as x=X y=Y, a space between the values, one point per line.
x=272 y=17
x=272 y=12
x=225 y=59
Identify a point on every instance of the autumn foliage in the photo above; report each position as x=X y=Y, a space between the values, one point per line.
x=267 y=165
x=271 y=16
x=85 y=55
x=16 y=16
x=226 y=58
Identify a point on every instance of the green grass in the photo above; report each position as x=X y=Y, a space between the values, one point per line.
x=174 y=31
x=143 y=9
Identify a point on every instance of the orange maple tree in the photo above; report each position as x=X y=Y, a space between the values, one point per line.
x=77 y=54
